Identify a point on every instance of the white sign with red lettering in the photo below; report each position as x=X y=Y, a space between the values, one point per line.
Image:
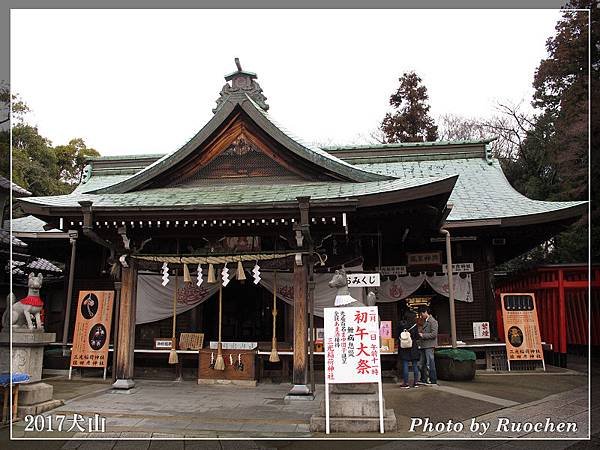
x=351 y=344
x=481 y=330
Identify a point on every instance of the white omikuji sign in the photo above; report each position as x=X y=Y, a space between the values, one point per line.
x=363 y=280
x=352 y=353
x=481 y=330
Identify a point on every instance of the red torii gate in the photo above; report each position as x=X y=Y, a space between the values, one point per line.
x=561 y=293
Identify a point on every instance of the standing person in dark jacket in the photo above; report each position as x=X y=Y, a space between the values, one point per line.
x=411 y=353
x=427 y=344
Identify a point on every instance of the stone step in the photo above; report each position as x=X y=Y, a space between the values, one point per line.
x=355 y=405
x=40 y=408
x=31 y=394
x=355 y=424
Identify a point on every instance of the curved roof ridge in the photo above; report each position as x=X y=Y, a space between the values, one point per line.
x=334 y=160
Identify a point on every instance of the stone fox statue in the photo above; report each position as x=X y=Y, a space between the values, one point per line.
x=342 y=296
x=26 y=307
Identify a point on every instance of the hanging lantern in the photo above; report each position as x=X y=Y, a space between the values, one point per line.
x=199 y=276
x=240 y=271
x=256 y=273
x=186 y=274
x=211 y=274
x=165 y=272
x=225 y=275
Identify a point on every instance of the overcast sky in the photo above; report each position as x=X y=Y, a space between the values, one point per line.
x=145 y=81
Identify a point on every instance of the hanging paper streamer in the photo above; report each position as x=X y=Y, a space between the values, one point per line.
x=225 y=275
x=165 y=272
x=256 y=274
x=199 y=277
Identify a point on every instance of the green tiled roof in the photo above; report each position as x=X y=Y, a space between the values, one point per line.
x=317 y=156
x=481 y=192
x=235 y=194
x=100 y=181
x=410 y=144
x=29 y=224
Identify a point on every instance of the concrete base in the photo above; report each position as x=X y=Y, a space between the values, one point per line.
x=295 y=398
x=123 y=384
x=249 y=383
x=355 y=424
x=27 y=351
x=36 y=398
x=39 y=408
x=31 y=394
x=299 y=392
x=353 y=413
x=123 y=391
x=354 y=388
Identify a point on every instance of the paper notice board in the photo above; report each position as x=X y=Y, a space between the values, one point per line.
x=91 y=337
x=351 y=342
x=521 y=328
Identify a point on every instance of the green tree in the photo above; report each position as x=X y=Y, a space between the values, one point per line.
x=71 y=160
x=37 y=165
x=410 y=122
x=554 y=162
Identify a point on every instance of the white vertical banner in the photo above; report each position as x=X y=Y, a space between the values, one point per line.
x=351 y=344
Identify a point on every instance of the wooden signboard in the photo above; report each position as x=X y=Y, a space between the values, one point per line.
x=240 y=366
x=424 y=261
x=521 y=328
x=92 y=330
x=191 y=341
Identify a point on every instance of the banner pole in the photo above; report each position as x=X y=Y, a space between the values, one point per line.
x=326 y=405
x=381 y=427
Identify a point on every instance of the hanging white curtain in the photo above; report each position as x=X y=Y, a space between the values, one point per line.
x=401 y=287
x=155 y=301
x=463 y=288
x=324 y=296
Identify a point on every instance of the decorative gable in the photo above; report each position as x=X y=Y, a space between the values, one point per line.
x=242 y=161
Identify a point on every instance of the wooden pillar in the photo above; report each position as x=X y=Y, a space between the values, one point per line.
x=67 y=322
x=126 y=327
x=300 y=327
x=562 y=320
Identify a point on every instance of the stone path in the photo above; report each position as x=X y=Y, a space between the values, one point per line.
x=162 y=410
x=571 y=406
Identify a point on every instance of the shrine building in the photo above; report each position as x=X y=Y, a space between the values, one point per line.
x=245 y=192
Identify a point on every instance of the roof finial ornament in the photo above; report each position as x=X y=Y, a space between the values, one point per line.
x=243 y=85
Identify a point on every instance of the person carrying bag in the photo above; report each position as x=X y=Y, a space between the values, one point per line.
x=408 y=350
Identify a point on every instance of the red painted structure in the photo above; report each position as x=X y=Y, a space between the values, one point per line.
x=562 y=294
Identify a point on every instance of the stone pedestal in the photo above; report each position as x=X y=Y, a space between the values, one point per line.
x=36 y=398
x=28 y=357
x=354 y=412
x=27 y=351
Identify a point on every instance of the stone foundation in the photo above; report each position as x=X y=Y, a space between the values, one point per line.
x=357 y=412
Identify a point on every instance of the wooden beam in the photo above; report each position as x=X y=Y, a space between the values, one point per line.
x=300 y=323
x=126 y=333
